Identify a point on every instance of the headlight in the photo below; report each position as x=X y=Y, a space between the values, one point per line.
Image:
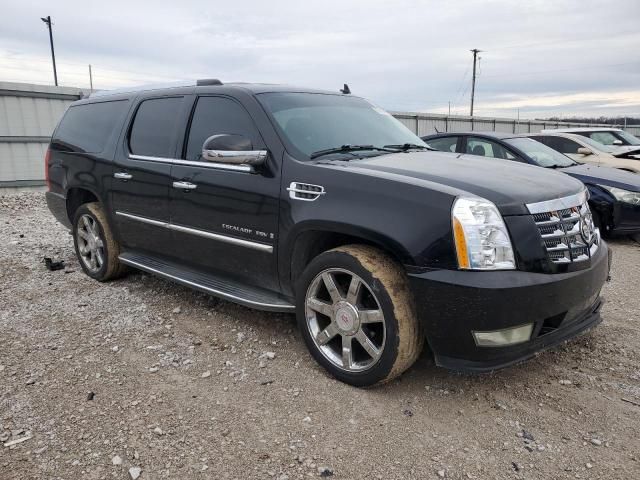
x=481 y=237
x=623 y=195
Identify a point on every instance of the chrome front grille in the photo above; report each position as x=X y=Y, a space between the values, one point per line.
x=566 y=228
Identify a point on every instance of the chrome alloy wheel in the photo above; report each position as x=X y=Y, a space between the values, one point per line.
x=90 y=245
x=345 y=320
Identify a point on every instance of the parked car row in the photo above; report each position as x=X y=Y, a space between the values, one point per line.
x=614 y=192
x=322 y=204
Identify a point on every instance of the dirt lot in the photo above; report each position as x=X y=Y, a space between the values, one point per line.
x=141 y=373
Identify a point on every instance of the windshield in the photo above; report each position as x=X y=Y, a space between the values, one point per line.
x=597 y=145
x=541 y=154
x=312 y=122
x=631 y=139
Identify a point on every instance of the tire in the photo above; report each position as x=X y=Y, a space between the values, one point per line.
x=93 y=238
x=379 y=321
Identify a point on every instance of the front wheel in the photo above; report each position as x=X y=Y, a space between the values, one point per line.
x=357 y=316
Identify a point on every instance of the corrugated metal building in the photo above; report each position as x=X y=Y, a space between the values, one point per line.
x=28 y=115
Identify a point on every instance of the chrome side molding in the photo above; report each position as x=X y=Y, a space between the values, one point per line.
x=262 y=247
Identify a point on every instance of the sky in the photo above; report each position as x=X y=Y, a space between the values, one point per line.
x=539 y=58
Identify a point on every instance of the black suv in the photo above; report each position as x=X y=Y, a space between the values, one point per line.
x=289 y=199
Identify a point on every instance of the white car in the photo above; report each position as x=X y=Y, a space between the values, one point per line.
x=627 y=145
x=585 y=150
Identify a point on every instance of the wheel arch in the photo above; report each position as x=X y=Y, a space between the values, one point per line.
x=77 y=196
x=313 y=239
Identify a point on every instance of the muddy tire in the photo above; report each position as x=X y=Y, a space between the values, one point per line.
x=357 y=316
x=96 y=247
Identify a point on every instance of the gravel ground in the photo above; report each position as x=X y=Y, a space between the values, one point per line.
x=140 y=375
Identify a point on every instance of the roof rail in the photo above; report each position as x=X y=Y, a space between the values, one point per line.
x=208 y=81
x=157 y=86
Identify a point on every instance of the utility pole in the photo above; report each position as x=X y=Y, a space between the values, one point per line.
x=475 y=52
x=90 y=79
x=47 y=20
x=449 y=108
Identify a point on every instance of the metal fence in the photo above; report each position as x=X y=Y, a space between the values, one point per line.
x=29 y=113
x=427 y=123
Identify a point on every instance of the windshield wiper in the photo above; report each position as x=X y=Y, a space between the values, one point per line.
x=409 y=146
x=348 y=149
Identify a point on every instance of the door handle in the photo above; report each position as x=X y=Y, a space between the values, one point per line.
x=123 y=176
x=185 y=185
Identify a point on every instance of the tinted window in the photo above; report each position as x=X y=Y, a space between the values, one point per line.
x=154 y=128
x=444 y=144
x=561 y=144
x=487 y=148
x=216 y=115
x=86 y=128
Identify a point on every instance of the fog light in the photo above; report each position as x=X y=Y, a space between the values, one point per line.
x=501 y=338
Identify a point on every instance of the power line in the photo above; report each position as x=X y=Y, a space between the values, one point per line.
x=563 y=70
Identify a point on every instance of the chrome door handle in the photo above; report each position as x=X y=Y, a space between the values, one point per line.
x=123 y=176
x=185 y=185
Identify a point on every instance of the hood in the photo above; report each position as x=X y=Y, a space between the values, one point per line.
x=509 y=185
x=596 y=174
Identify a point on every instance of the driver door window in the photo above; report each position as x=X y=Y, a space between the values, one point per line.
x=217 y=115
x=486 y=148
x=606 y=138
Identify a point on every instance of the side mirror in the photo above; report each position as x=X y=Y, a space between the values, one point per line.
x=233 y=149
x=584 y=151
x=617 y=142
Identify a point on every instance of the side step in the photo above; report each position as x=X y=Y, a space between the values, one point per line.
x=233 y=291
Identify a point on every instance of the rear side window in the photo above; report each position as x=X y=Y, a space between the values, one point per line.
x=216 y=115
x=88 y=127
x=154 y=128
x=444 y=144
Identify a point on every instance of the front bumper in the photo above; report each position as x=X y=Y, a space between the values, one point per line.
x=451 y=304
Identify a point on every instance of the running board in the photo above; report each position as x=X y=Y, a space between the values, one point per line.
x=233 y=291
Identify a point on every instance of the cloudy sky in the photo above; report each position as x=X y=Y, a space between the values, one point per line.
x=540 y=57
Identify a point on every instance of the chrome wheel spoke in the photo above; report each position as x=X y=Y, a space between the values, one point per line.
x=335 y=319
x=347 y=354
x=83 y=234
x=354 y=290
x=92 y=261
x=367 y=344
x=99 y=257
x=319 y=306
x=326 y=335
x=87 y=223
x=99 y=243
x=332 y=288
x=371 y=316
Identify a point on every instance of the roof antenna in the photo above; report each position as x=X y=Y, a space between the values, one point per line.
x=345 y=90
x=437 y=131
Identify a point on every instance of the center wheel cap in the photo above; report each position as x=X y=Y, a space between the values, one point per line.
x=347 y=318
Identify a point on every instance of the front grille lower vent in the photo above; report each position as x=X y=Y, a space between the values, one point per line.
x=305 y=191
x=568 y=234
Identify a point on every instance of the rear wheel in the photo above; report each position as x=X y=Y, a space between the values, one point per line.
x=356 y=314
x=96 y=247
